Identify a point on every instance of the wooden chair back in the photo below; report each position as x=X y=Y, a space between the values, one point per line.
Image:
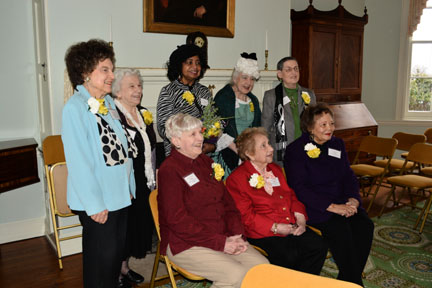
x=379 y=146
x=420 y=153
x=428 y=134
x=406 y=140
x=52 y=148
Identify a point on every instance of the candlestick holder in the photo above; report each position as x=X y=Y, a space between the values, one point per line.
x=110 y=44
x=266 y=60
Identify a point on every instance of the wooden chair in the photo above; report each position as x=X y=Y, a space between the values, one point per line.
x=417 y=186
x=159 y=257
x=56 y=175
x=405 y=142
x=428 y=134
x=272 y=276
x=381 y=147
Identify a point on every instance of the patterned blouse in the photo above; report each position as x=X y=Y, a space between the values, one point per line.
x=171 y=102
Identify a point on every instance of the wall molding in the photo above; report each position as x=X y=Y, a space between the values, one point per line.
x=401 y=123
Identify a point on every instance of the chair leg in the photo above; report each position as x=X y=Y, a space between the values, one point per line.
x=155 y=266
x=387 y=199
x=170 y=272
x=374 y=195
x=425 y=210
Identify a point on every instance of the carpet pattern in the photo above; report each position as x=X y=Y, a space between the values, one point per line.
x=400 y=256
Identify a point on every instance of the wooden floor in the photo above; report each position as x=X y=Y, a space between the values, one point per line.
x=33 y=262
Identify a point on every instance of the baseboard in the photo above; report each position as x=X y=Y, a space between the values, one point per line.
x=20 y=230
x=68 y=247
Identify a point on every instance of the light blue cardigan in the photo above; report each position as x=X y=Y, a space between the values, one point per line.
x=92 y=186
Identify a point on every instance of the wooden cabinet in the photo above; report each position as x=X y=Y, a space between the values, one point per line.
x=18 y=164
x=329 y=48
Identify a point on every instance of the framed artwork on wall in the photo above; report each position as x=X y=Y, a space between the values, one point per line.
x=211 y=17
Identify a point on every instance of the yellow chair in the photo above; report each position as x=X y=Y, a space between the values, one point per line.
x=159 y=257
x=428 y=134
x=417 y=186
x=272 y=276
x=56 y=175
x=378 y=146
x=405 y=142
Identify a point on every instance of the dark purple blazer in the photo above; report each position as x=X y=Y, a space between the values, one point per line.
x=319 y=182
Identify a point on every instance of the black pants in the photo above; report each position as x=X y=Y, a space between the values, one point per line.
x=103 y=248
x=350 y=241
x=305 y=253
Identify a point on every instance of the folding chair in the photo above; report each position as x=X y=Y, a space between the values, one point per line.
x=159 y=257
x=56 y=175
x=405 y=142
x=272 y=276
x=378 y=146
x=416 y=185
x=428 y=134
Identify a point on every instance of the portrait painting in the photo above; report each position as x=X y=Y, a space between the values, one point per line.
x=211 y=17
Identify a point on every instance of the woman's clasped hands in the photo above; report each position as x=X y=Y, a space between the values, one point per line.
x=347 y=210
x=235 y=245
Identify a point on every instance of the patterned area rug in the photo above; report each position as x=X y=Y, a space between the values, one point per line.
x=400 y=256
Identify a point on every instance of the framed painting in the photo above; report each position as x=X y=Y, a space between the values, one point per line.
x=212 y=17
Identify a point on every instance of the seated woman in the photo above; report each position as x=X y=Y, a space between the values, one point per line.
x=317 y=168
x=200 y=227
x=274 y=219
x=240 y=108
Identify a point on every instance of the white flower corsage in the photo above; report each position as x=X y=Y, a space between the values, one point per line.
x=93 y=105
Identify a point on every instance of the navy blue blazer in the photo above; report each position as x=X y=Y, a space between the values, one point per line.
x=319 y=182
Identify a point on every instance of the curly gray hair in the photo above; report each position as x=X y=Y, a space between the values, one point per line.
x=179 y=123
x=119 y=74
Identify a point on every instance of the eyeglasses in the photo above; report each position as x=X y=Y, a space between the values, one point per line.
x=290 y=69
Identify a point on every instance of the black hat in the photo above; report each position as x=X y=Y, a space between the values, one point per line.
x=184 y=52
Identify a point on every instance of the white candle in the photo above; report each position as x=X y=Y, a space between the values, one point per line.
x=110 y=29
x=266 y=38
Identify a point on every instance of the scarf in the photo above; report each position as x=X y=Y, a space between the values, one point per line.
x=141 y=127
x=279 y=122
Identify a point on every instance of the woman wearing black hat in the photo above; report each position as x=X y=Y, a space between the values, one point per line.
x=184 y=94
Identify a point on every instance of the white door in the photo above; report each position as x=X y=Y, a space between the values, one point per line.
x=44 y=99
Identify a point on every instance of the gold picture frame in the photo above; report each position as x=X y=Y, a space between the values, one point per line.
x=172 y=16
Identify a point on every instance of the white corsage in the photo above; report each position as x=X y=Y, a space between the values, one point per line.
x=93 y=105
x=256 y=181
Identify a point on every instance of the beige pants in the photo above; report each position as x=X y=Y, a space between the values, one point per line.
x=223 y=269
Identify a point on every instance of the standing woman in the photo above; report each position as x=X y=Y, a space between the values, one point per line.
x=127 y=90
x=283 y=106
x=100 y=180
x=317 y=168
x=184 y=94
x=240 y=108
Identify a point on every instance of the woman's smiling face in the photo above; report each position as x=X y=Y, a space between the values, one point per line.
x=323 y=128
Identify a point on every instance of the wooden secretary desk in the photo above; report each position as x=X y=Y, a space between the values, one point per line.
x=329 y=48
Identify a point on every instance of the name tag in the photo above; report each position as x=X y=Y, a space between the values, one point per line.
x=131 y=133
x=286 y=100
x=191 y=179
x=204 y=102
x=274 y=182
x=334 y=153
x=114 y=114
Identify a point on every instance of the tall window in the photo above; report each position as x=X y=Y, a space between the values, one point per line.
x=420 y=88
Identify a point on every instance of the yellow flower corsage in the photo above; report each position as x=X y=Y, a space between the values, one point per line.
x=306 y=98
x=218 y=171
x=251 y=107
x=148 y=116
x=256 y=181
x=189 y=97
x=312 y=151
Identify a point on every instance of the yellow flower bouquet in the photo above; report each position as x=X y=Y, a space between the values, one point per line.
x=212 y=123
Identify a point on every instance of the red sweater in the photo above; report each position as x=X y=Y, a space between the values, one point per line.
x=258 y=209
x=203 y=214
